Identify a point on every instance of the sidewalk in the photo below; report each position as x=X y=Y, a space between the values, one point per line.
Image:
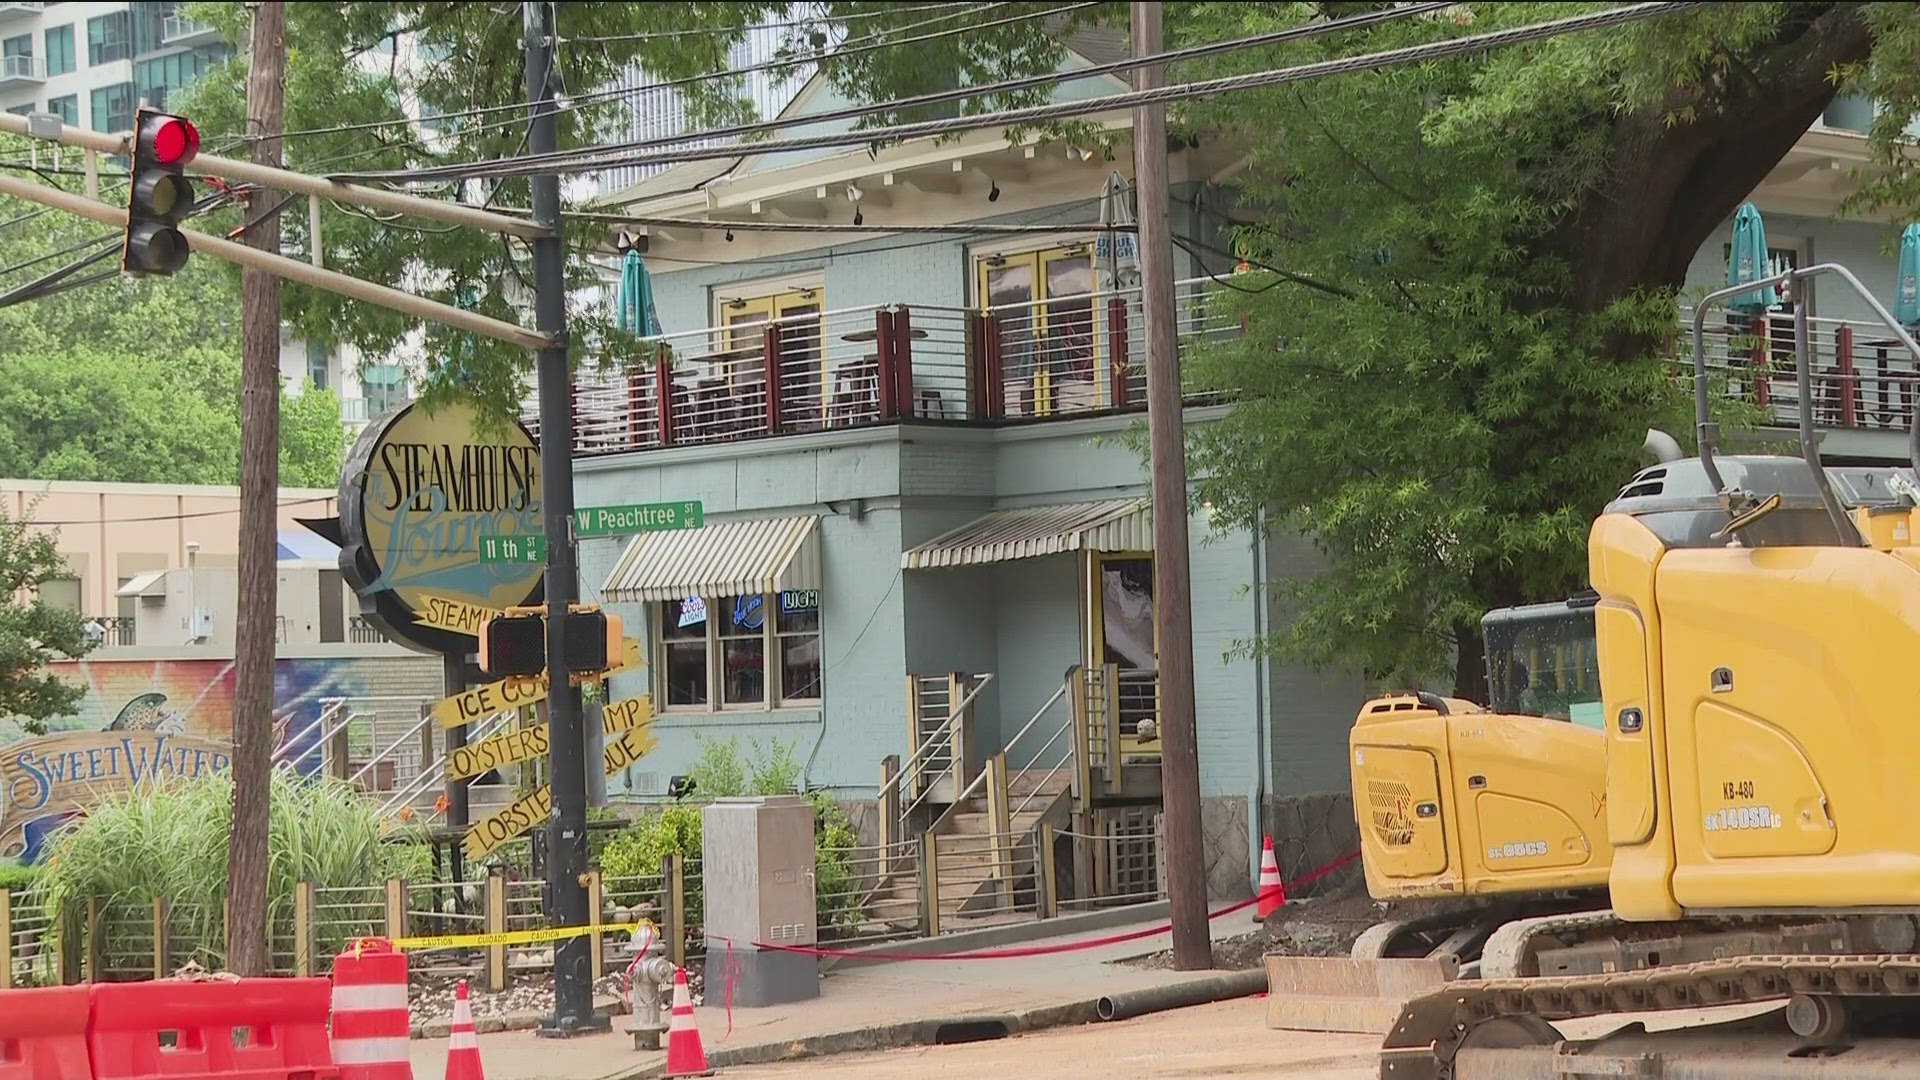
x=854 y=1000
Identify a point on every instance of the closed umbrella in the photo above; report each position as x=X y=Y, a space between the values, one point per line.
x=1906 y=294
x=636 y=298
x=1117 y=250
x=1747 y=261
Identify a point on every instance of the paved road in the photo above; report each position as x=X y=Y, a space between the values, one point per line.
x=1229 y=1039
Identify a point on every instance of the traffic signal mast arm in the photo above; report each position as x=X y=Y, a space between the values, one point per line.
x=287 y=180
x=291 y=269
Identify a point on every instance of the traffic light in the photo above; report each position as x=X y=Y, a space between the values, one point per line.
x=514 y=643
x=159 y=195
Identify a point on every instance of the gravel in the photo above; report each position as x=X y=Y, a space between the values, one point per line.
x=430 y=997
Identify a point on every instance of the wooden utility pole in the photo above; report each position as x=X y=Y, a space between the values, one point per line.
x=1166 y=440
x=247 y=945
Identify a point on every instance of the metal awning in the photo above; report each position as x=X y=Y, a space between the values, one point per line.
x=733 y=558
x=1112 y=525
x=149 y=584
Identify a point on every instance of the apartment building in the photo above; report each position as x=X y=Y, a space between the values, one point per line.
x=92 y=62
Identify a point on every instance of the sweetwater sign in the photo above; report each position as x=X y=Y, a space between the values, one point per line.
x=50 y=780
x=419 y=492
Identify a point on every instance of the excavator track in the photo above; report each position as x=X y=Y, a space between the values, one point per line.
x=1432 y=1029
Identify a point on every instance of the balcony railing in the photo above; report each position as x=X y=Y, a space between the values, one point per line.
x=878 y=365
x=179 y=30
x=1863 y=378
x=362 y=632
x=22 y=68
x=112 y=629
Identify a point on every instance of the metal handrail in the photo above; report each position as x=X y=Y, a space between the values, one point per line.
x=1051 y=773
x=320 y=721
x=436 y=772
x=945 y=734
x=395 y=745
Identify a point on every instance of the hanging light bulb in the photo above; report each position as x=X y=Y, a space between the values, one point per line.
x=859 y=218
x=729 y=236
x=993 y=192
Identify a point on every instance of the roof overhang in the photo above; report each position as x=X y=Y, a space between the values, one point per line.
x=1030 y=532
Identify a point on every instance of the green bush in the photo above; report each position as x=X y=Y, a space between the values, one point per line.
x=170 y=843
x=718 y=773
x=18 y=878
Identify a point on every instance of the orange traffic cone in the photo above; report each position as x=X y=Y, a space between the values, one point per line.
x=463 y=1047
x=1273 y=892
x=685 y=1055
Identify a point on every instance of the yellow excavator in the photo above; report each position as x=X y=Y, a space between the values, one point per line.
x=1754 y=619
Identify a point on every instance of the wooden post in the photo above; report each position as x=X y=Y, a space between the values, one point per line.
x=1762 y=358
x=90 y=960
x=999 y=815
x=160 y=949
x=674 y=881
x=1045 y=873
x=977 y=381
x=596 y=914
x=888 y=380
x=496 y=923
x=1082 y=775
x=770 y=353
x=903 y=362
x=396 y=914
x=636 y=401
x=303 y=899
x=663 y=395
x=889 y=808
x=341 y=746
x=919 y=772
x=960 y=736
x=1843 y=361
x=1111 y=704
x=6 y=939
x=929 y=886
x=67 y=917
x=1117 y=359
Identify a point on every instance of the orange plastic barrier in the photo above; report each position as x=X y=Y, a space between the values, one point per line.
x=250 y=1029
x=43 y=1034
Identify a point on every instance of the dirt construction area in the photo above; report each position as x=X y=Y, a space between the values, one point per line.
x=1229 y=1039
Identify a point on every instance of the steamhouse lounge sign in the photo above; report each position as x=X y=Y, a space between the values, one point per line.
x=419 y=491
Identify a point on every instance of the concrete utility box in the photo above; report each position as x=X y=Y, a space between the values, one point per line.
x=756 y=866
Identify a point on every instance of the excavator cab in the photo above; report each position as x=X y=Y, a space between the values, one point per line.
x=1454 y=800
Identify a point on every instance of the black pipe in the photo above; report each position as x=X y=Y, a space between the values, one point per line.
x=1220 y=987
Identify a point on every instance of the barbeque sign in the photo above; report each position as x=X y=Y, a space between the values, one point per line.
x=419 y=490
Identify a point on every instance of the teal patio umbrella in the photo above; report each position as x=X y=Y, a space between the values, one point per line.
x=1906 y=293
x=636 y=314
x=1747 y=261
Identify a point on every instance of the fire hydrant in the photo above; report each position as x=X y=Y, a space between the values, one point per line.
x=651 y=981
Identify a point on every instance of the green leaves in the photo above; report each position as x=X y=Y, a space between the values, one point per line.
x=32 y=633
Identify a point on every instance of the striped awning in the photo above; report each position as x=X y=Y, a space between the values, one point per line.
x=1112 y=525
x=733 y=558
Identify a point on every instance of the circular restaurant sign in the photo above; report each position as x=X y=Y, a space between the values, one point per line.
x=419 y=491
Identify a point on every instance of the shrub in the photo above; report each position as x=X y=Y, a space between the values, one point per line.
x=169 y=843
x=719 y=773
x=18 y=878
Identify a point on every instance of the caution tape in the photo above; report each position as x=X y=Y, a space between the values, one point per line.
x=514 y=937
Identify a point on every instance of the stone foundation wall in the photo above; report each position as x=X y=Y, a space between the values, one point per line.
x=1310 y=831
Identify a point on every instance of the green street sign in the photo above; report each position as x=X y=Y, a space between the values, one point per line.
x=513 y=549
x=638 y=518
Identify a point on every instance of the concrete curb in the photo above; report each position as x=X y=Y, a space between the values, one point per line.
x=920 y=1032
x=1014 y=934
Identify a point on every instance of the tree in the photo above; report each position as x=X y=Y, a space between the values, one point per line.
x=131 y=381
x=32 y=633
x=1498 y=241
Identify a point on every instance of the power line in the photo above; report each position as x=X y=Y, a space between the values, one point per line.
x=598 y=96
x=177 y=517
x=823 y=227
x=591 y=159
x=1352 y=22
x=892 y=9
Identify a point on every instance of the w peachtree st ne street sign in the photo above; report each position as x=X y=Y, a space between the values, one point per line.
x=512 y=693
x=483 y=839
x=638 y=518
x=529 y=743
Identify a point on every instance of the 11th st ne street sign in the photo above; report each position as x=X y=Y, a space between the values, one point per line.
x=637 y=518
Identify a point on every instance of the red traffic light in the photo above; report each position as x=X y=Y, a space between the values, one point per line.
x=169 y=140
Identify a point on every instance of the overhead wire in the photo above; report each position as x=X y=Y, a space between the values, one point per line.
x=815 y=20
x=592 y=158
x=1193 y=52
x=776 y=64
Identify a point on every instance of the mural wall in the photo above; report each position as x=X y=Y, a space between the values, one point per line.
x=144 y=721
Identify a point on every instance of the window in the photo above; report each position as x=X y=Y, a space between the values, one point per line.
x=21 y=110
x=66 y=107
x=384 y=385
x=738 y=652
x=112 y=107
x=108 y=39
x=802 y=364
x=59 y=49
x=17 y=46
x=154 y=79
x=16 y=57
x=1045 y=306
x=317 y=365
x=61 y=593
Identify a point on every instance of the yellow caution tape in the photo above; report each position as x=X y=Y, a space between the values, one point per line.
x=514 y=937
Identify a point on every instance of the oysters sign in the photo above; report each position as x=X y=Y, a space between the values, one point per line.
x=419 y=490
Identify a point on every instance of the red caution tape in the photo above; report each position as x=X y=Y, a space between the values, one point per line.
x=1049 y=950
